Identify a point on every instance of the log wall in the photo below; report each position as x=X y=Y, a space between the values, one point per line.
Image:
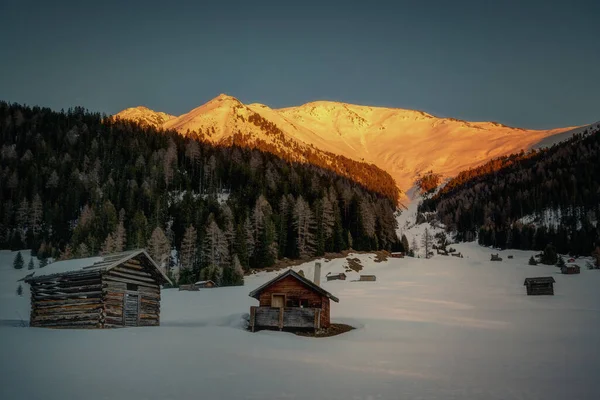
x=67 y=301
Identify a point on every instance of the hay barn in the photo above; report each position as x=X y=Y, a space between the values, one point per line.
x=540 y=286
x=120 y=290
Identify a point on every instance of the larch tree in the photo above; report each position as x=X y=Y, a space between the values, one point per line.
x=36 y=215
x=188 y=248
x=159 y=246
x=120 y=235
x=427 y=242
x=304 y=224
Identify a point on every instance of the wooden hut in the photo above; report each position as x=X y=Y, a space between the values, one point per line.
x=336 y=277
x=121 y=289
x=292 y=302
x=540 y=285
x=368 y=278
x=205 y=284
x=397 y=254
x=570 y=269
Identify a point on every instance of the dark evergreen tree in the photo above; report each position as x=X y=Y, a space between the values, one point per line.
x=30 y=265
x=549 y=256
x=18 y=262
x=532 y=261
x=19 y=290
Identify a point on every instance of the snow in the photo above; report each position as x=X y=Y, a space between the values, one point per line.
x=443 y=328
x=402 y=142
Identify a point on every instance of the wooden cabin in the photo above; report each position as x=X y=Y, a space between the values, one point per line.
x=397 y=254
x=336 y=277
x=291 y=302
x=368 y=278
x=540 y=285
x=496 y=257
x=570 y=269
x=120 y=290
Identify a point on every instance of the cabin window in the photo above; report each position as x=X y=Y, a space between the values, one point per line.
x=133 y=287
x=303 y=303
x=292 y=302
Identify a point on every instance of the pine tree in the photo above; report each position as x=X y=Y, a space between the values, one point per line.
x=20 y=290
x=532 y=261
x=30 y=265
x=18 y=262
x=43 y=262
x=188 y=248
x=561 y=262
x=405 y=243
x=549 y=256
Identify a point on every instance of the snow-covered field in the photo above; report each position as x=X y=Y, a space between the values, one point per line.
x=445 y=328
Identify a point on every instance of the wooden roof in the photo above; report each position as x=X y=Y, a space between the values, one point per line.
x=108 y=262
x=256 y=292
x=539 y=279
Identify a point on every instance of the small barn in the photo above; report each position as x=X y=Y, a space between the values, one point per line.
x=291 y=302
x=570 y=269
x=205 y=284
x=336 y=277
x=120 y=290
x=397 y=254
x=367 y=278
x=540 y=286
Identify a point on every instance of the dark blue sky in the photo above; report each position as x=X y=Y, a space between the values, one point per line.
x=532 y=64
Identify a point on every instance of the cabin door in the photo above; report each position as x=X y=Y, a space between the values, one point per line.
x=278 y=301
x=131 y=310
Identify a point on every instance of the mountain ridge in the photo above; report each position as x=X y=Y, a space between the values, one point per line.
x=405 y=143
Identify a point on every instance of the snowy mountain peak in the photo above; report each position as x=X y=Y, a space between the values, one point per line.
x=405 y=143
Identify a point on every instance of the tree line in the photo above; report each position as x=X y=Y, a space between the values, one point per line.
x=490 y=202
x=75 y=184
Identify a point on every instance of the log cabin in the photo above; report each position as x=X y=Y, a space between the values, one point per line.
x=120 y=290
x=540 y=285
x=291 y=302
x=336 y=277
x=570 y=269
x=367 y=278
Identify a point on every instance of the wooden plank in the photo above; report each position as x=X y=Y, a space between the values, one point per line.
x=132 y=272
x=67 y=296
x=72 y=289
x=132 y=277
x=67 y=317
x=40 y=304
x=124 y=280
x=67 y=309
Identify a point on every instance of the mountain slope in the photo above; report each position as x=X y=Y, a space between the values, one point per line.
x=404 y=143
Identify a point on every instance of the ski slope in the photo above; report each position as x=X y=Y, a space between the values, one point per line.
x=444 y=328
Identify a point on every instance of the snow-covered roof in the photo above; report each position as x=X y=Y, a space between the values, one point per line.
x=256 y=292
x=102 y=263
x=203 y=282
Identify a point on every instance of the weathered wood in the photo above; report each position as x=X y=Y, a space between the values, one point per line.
x=66 y=283
x=68 y=295
x=72 y=289
x=131 y=277
x=68 y=276
x=125 y=280
x=41 y=304
x=133 y=272
x=133 y=261
x=68 y=309
x=67 y=324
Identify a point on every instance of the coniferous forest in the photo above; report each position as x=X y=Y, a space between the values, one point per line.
x=77 y=184
x=490 y=202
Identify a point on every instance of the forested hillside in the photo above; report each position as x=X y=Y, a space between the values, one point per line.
x=75 y=184
x=492 y=200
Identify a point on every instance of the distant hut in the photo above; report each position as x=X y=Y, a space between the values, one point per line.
x=496 y=257
x=205 y=284
x=570 y=269
x=397 y=254
x=368 y=278
x=540 y=285
x=292 y=302
x=120 y=290
x=337 y=277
